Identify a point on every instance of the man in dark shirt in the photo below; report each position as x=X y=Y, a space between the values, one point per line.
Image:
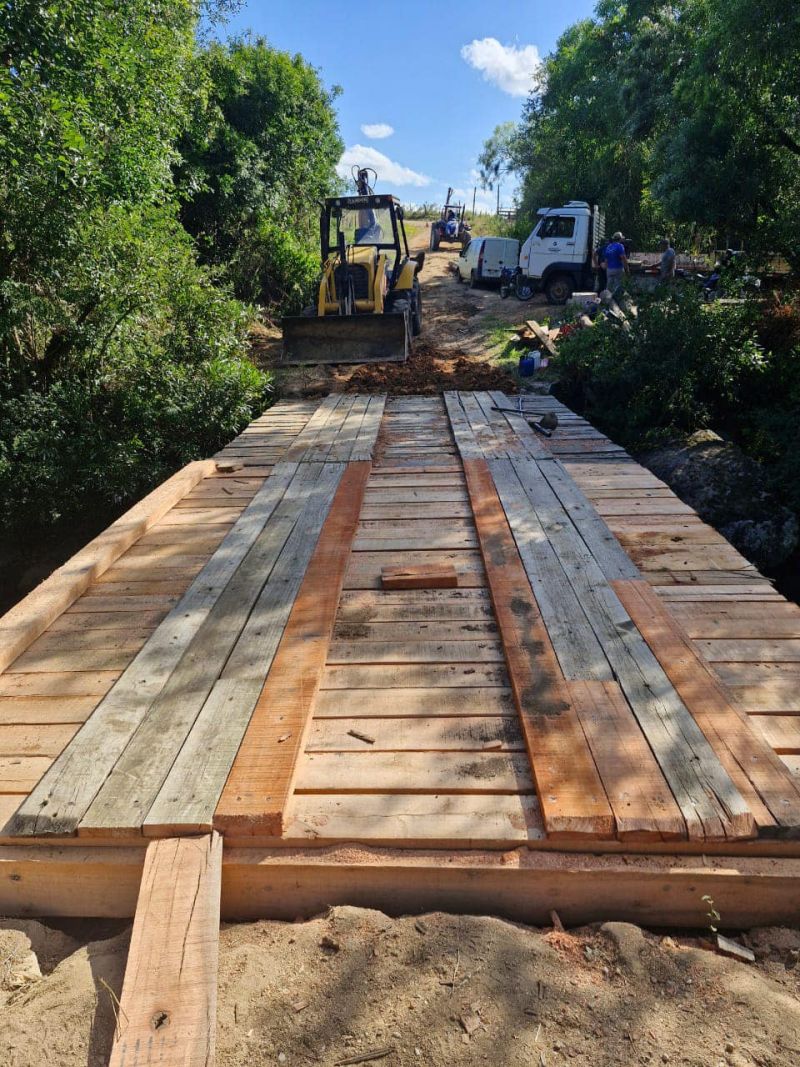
x=598 y=259
x=615 y=262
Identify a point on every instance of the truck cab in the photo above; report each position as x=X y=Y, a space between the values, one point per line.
x=557 y=256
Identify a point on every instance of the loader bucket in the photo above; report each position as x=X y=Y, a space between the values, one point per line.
x=346 y=339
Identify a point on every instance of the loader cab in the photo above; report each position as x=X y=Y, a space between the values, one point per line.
x=364 y=222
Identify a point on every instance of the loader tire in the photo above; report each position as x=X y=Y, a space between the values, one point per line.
x=434 y=241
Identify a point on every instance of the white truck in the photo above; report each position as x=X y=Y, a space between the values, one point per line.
x=557 y=257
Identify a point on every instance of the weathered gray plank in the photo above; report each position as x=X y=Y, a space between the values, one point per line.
x=462 y=431
x=61 y=798
x=576 y=646
x=611 y=557
x=364 y=445
x=709 y=801
x=133 y=785
x=186 y=801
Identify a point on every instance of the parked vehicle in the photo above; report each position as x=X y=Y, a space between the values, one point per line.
x=484 y=258
x=512 y=280
x=556 y=259
x=451 y=225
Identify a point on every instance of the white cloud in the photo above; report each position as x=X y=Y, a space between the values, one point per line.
x=377 y=130
x=388 y=171
x=510 y=68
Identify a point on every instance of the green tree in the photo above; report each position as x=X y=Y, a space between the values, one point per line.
x=497 y=158
x=256 y=160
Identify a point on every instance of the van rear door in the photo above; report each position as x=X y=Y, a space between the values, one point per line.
x=498 y=252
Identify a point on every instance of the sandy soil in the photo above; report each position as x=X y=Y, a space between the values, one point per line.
x=460 y=341
x=436 y=990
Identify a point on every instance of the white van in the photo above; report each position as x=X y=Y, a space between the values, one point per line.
x=484 y=258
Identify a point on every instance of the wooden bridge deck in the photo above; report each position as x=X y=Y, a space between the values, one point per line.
x=608 y=676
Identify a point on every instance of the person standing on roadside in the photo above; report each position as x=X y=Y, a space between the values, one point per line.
x=616 y=262
x=666 y=271
x=598 y=266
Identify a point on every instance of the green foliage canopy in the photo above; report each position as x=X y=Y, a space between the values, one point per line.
x=680 y=115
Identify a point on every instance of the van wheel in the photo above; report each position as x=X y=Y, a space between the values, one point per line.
x=559 y=289
x=473 y=280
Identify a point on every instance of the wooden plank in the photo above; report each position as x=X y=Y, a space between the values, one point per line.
x=168 y=1007
x=781 y=732
x=364 y=445
x=750 y=650
x=19 y=774
x=20 y=711
x=481 y=650
x=398 y=820
x=423 y=576
x=364 y=606
x=62 y=799
x=521 y=884
x=709 y=801
x=571 y=794
x=460 y=425
x=260 y=784
x=39 y=739
x=772 y=796
x=367 y=703
x=20 y=626
x=415 y=676
x=601 y=542
x=63 y=685
x=452 y=734
x=579 y=652
x=414 y=631
x=415 y=772
x=643 y=806
x=133 y=785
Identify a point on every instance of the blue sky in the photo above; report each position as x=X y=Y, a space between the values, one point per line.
x=440 y=75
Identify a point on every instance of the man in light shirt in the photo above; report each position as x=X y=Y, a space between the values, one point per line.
x=667 y=266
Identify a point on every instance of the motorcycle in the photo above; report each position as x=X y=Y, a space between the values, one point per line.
x=512 y=280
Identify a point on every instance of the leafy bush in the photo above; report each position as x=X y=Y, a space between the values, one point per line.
x=682 y=365
x=94 y=439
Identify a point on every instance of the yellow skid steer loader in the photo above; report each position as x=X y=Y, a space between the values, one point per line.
x=368 y=303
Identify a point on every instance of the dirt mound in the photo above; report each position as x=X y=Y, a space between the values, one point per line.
x=429 y=371
x=437 y=990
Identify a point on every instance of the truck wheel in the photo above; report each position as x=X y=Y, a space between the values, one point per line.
x=559 y=289
x=473 y=280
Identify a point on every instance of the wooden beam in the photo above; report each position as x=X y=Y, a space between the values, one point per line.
x=571 y=794
x=772 y=793
x=168 y=1008
x=424 y=576
x=260 y=784
x=20 y=626
x=523 y=885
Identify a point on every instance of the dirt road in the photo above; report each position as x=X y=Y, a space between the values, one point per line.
x=355 y=986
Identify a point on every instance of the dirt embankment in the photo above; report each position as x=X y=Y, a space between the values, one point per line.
x=436 y=990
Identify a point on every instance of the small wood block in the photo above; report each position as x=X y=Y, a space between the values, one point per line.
x=425 y=576
x=169 y=997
